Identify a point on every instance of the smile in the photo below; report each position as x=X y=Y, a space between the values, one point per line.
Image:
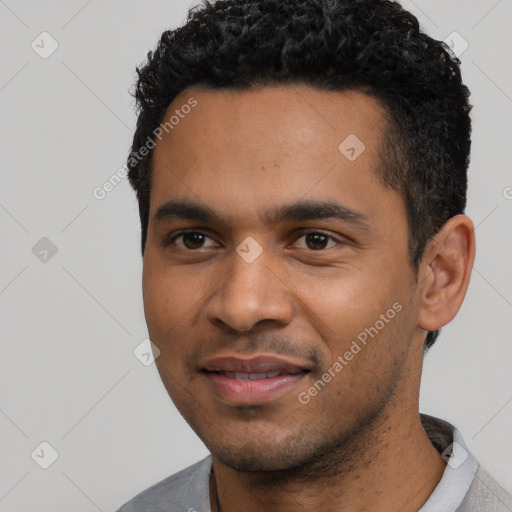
x=240 y=381
x=251 y=376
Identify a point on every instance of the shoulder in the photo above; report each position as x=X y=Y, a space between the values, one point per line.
x=486 y=494
x=186 y=490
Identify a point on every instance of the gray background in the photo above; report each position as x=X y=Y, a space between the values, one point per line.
x=70 y=324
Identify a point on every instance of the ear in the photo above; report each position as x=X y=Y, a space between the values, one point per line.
x=444 y=274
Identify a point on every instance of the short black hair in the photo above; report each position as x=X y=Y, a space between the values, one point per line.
x=372 y=46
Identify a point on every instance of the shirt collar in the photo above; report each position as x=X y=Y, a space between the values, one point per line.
x=460 y=469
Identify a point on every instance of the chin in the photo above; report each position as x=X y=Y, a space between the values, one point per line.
x=257 y=462
x=268 y=454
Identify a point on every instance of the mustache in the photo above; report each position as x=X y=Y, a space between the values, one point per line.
x=250 y=344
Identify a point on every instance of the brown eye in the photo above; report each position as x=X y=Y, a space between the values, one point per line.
x=189 y=240
x=317 y=241
x=193 y=240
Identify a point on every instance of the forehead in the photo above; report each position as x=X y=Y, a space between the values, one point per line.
x=254 y=148
x=270 y=117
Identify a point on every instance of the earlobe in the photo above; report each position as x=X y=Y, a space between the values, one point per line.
x=446 y=271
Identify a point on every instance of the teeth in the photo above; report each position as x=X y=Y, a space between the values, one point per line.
x=251 y=376
x=257 y=376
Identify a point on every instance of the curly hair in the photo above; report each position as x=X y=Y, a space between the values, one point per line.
x=372 y=46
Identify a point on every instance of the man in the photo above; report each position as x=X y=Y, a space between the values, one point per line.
x=300 y=167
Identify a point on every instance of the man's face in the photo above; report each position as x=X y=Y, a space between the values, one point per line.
x=266 y=293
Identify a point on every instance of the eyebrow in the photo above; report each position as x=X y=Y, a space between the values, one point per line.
x=295 y=212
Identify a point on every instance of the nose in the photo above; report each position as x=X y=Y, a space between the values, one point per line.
x=248 y=294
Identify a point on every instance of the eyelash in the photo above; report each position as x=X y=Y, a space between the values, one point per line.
x=171 y=239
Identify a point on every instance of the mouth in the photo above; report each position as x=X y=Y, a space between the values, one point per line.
x=258 y=380
x=256 y=376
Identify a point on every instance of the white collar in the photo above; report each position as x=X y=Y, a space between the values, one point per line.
x=460 y=468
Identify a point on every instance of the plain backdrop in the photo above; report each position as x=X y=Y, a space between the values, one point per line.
x=70 y=273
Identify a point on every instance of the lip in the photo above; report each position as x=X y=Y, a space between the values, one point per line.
x=253 y=392
x=255 y=364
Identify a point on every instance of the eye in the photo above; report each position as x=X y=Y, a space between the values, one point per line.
x=190 y=240
x=194 y=240
x=317 y=240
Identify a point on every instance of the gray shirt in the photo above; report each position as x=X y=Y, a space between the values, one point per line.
x=464 y=487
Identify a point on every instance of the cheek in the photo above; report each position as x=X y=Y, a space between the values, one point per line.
x=167 y=296
x=361 y=320
x=343 y=304
x=166 y=304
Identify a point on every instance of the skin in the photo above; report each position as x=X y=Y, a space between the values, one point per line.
x=358 y=444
